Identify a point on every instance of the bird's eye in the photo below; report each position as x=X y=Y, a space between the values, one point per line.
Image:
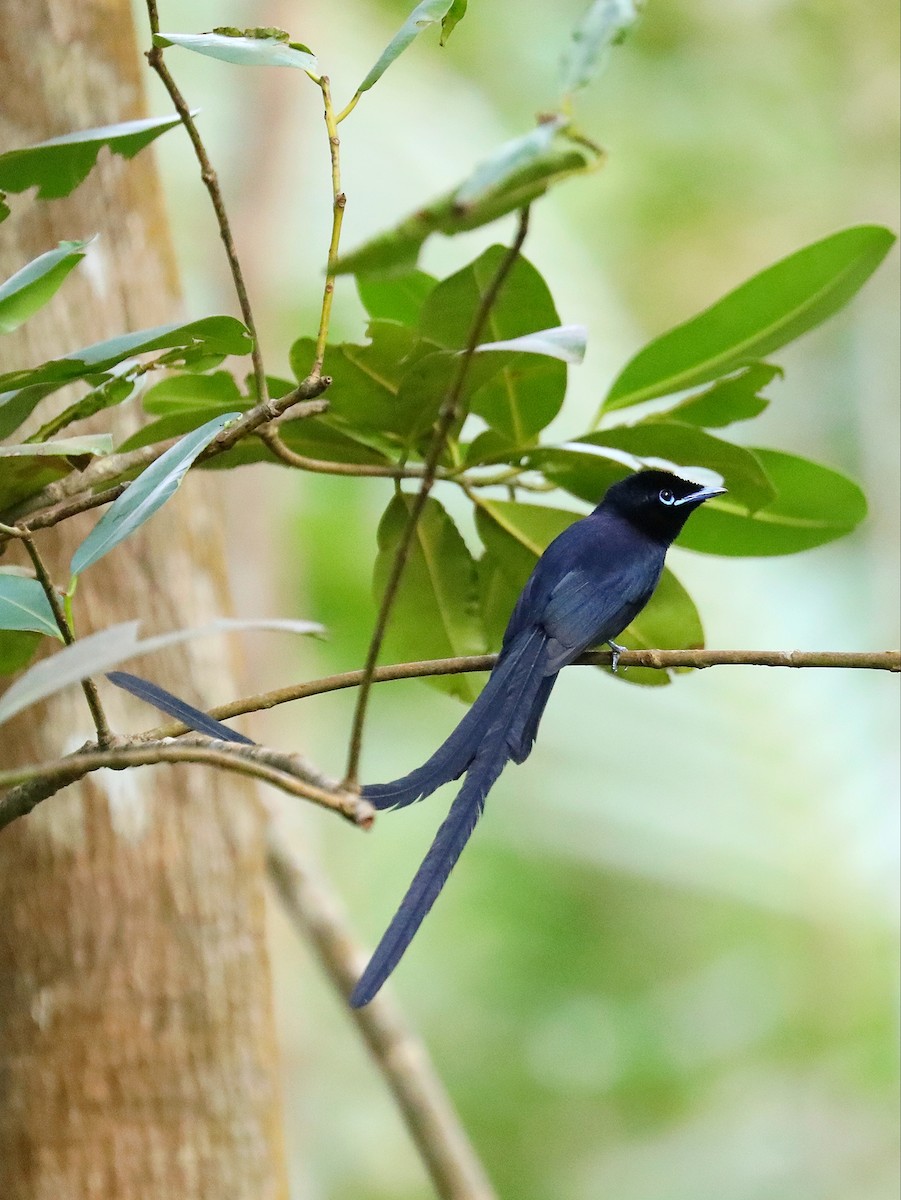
x=666 y=497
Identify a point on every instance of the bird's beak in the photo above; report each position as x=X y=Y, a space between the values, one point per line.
x=701 y=495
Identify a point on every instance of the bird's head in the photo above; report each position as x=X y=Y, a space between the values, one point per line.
x=658 y=502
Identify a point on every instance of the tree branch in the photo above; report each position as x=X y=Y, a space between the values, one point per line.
x=661 y=660
x=211 y=183
x=31 y=784
x=398 y=1052
x=447 y=415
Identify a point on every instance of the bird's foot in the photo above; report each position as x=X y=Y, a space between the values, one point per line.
x=615 y=651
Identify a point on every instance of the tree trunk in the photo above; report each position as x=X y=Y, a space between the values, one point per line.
x=137 y=1048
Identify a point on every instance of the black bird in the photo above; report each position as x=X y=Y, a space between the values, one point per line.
x=590 y=583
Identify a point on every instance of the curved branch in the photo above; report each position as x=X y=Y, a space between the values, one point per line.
x=31 y=784
x=399 y=1052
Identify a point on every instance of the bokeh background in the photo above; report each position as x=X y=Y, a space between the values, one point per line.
x=665 y=967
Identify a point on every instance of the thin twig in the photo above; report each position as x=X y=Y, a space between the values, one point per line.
x=661 y=660
x=104 y=735
x=448 y=413
x=49 y=517
x=339 y=202
x=323 y=466
x=75 y=490
x=38 y=781
x=211 y=182
x=401 y=1056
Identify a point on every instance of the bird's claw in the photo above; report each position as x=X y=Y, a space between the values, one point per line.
x=615 y=651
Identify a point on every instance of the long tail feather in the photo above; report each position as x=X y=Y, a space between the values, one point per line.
x=194 y=718
x=522 y=736
x=523 y=681
x=454 y=755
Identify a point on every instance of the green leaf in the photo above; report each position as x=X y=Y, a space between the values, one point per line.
x=814 y=504
x=436 y=612
x=512 y=178
x=581 y=468
x=768 y=311
x=508 y=161
x=452 y=19
x=429 y=12
x=686 y=446
x=34 y=285
x=115 y=390
x=17 y=649
x=177 y=424
x=736 y=398
x=147 y=493
x=526 y=395
x=398 y=298
x=88 y=444
x=604 y=23
x=192 y=393
x=26 y=469
x=243 y=48
x=211 y=335
x=523 y=306
x=24 y=606
x=4 y=207
x=17 y=405
x=365 y=394
x=498 y=595
x=56 y=167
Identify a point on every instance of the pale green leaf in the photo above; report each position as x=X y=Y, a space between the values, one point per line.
x=56 y=167
x=99 y=652
x=24 y=606
x=429 y=12
x=147 y=493
x=243 y=50
x=24 y=293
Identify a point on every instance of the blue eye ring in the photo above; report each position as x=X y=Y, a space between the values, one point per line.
x=666 y=497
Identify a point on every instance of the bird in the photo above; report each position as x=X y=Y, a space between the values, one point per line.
x=590 y=583
x=585 y=589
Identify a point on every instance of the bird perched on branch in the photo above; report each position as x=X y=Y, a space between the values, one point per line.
x=589 y=584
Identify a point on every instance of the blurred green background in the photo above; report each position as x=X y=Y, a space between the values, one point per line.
x=665 y=967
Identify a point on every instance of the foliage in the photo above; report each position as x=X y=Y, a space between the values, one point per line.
x=387 y=390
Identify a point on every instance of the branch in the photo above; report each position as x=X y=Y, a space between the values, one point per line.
x=211 y=182
x=399 y=1053
x=36 y=782
x=339 y=202
x=447 y=415
x=661 y=660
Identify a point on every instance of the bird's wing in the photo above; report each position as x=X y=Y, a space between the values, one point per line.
x=587 y=608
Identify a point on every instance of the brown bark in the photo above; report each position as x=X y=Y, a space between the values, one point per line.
x=137 y=1050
